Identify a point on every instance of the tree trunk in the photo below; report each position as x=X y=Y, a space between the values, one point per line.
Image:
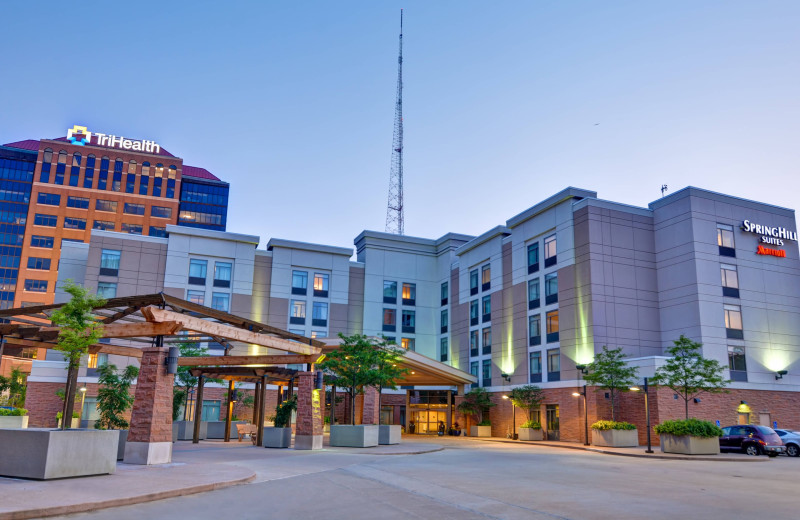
x=686 y=402
x=69 y=397
x=352 y=408
x=613 y=412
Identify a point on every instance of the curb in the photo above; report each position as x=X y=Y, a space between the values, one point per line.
x=357 y=451
x=622 y=454
x=117 y=502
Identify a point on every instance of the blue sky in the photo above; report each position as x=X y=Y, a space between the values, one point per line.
x=505 y=102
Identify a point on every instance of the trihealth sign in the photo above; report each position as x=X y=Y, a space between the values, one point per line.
x=770 y=235
x=80 y=135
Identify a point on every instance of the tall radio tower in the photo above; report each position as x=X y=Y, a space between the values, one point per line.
x=394 y=210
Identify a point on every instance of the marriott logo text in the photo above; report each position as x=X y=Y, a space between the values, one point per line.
x=126 y=144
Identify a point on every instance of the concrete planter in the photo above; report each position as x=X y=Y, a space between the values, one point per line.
x=175 y=432
x=186 y=430
x=74 y=424
x=529 y=434
x=480 y=431
x=689 y=445
x=615 y=438
x=42 y=453
x=216 y=429
x=14 y=421
x=326 y=428
x=389 y=434
x=123 y=438
x=277 y=437
x=358 y=436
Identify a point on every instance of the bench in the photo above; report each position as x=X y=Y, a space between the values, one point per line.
x=246 y=429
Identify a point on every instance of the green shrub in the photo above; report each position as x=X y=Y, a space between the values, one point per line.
x=534 y=425
x=283 y=414
x=485 y=422
x=613 y=425
x=693 y=427
x=75 y=415
x=14 y=412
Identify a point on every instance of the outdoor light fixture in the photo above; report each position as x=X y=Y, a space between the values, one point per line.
x=582 y=393
x=696 y=400
x=742 y=402
x=634 y=389
x=505 y=397
x=318 y=380
x=172 y=360
x=780 y=373
x=83 y=389
x=582 y=368
x=576 y=394
x=506 y=377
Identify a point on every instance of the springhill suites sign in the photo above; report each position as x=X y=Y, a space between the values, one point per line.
x=80 y=135
x=770 y=234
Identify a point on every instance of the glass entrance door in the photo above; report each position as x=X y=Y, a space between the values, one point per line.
x=552 y=422
x=426 y=422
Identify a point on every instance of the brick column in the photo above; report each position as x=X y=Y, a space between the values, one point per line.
x=308 y=429
x=150 y=436
x=371 y=409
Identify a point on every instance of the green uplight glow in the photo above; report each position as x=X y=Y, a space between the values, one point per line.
x=507 y=365
x=584 y=342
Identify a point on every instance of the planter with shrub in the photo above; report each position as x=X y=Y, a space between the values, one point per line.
x=477 y=403
x=689 y=437
x=280 y=435
x=13 y=418
x=113 y=400
x=614 y=434
x=531 y=431
x=74 y=424
x=482 y=429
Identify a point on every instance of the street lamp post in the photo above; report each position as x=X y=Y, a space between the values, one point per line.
x=582 y=393
x=645 y=387
x=513 y=418
x=83 y=399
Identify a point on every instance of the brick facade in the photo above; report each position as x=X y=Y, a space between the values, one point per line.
x=151 y=418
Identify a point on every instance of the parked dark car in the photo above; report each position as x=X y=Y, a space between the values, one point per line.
x=751 y=439
x=791 y=439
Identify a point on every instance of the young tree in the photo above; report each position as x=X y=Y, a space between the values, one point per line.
x=185 y=382
x=17 y=385
x=610 y=372
x=244 y=400
x=80 y=328
x=689 y=374
x=528 y=397
x=114 y=397
x=354 y=365
x=387 y=368
x=476 y=402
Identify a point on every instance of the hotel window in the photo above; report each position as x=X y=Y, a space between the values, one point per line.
x=36 y=285
x=158 y=180
x=41 y=264
x=535 y=367
x=473 y=282
x=133 y=209
x=486 y=304
x=144 y=180
x=730 y=281
x=389 y=292
x=473 y=370
x=409 y=294
x=103 y=225
x=173 y=173
x=49 y=199
x=443 y=321
x=106 y=205
x=535 y=330
x=551 y=288
x=298 y=312
x=220 y=301
x=725 y=240
x=443 y=350
x=47 y=158
x=116 y=184
x=321 y=285
x=554 y=365
x=103 y=179
x=389 y=320
x=198 y=297
x=487 y=373
x=409 y=321
x=75 y=223
x=407 y=343
x=75 y=170
x=473 y=312
x=78 y=202
x=550 y=257
x=486 y=277
x=88 y=173
x=533 y=257
x=299 y=282
x=444 y=293
x=222 y=274
x=45 y=220
x=106 y=290
x=319 y=314
x=197 y=272
x=487 y=340
x=737 y=363
x=160 y=212
x=60 y=167
x=160 y=232
x=533 y=294
x=42 y=241
x=133 y=229
x=473 y=343
x=97 y=360
x=733 y=321
x=109 y=262
x=552 y=326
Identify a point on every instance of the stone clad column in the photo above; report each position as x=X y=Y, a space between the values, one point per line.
x=150 y=435
x=308 y=428
x=371 y=408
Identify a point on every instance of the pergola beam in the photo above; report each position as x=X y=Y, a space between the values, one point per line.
x=282 y=359
x=105 y=348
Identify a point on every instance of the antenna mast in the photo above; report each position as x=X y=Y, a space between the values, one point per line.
x=394 y=210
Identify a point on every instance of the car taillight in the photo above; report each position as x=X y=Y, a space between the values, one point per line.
x=762 y=442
